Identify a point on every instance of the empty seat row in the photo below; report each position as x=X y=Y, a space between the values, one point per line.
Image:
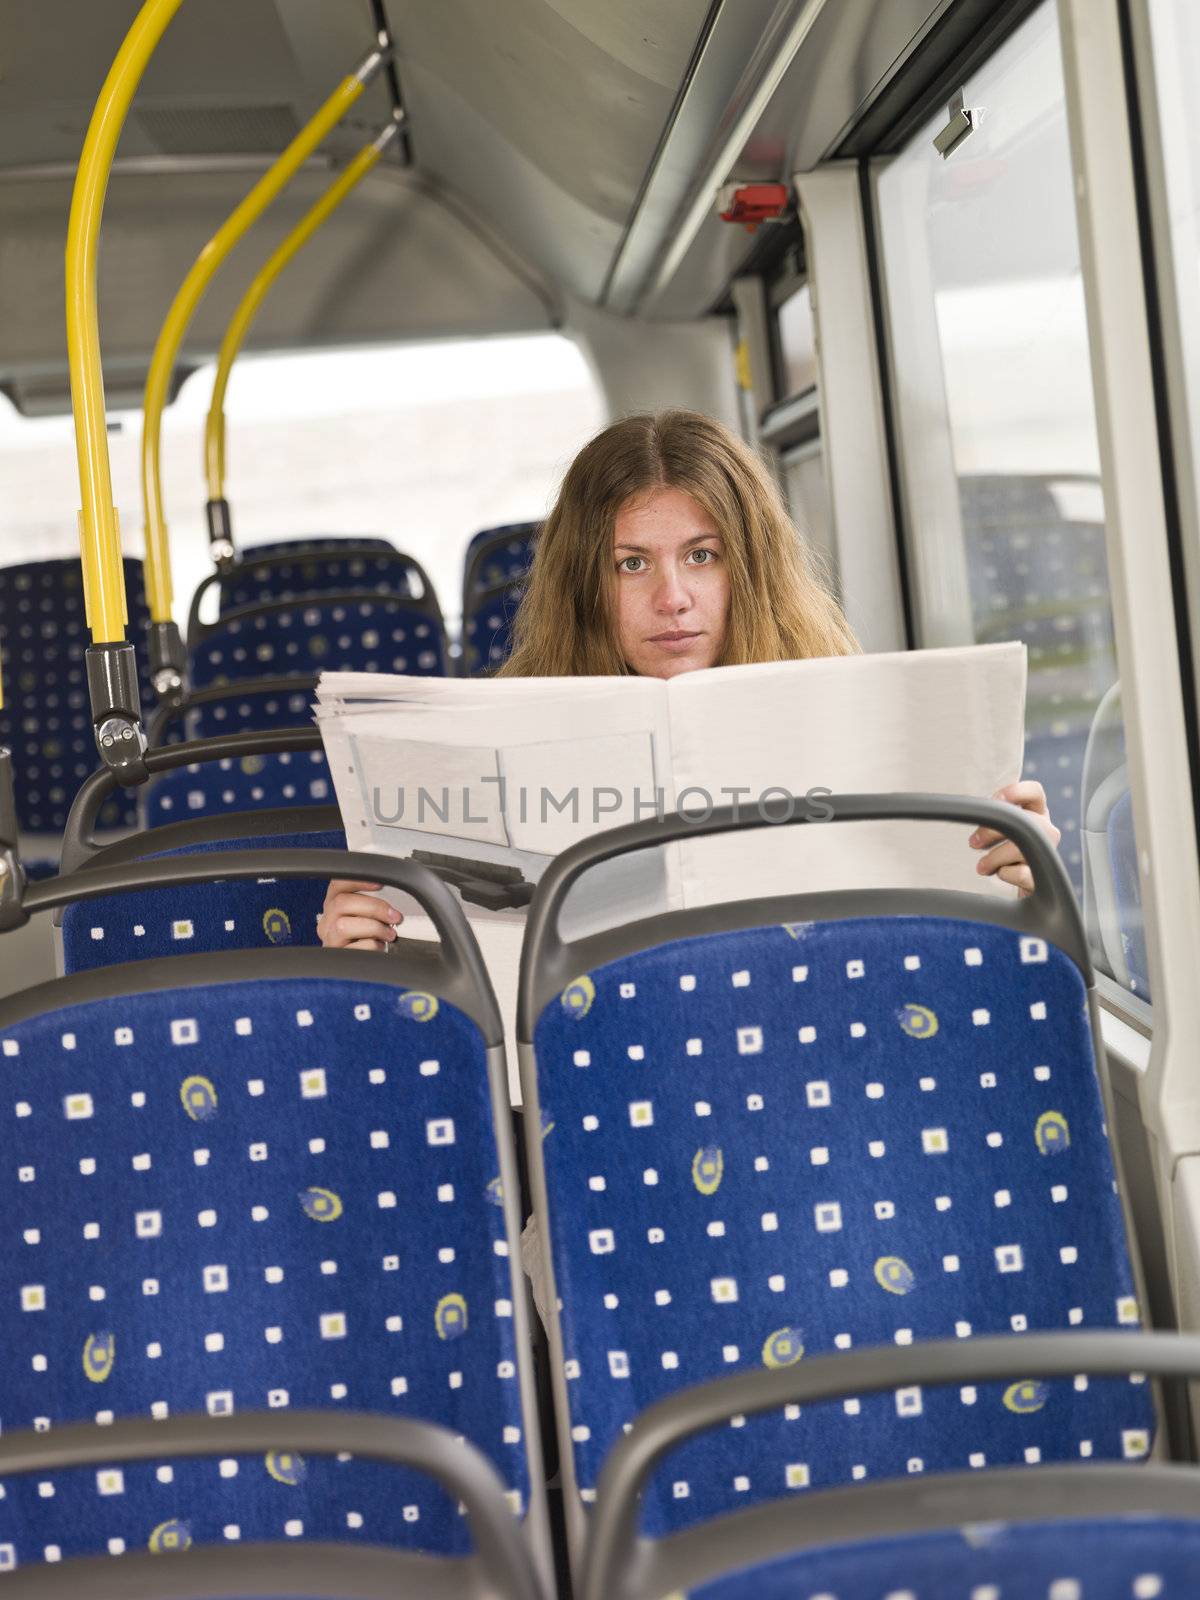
x=756 y=1135
x=385 y=618
x=260 y=1184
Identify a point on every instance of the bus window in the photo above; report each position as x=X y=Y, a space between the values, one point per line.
x=1173 y=160
x=421 y=443
x=797 y=343
x=808 y=499
x=1000 y=461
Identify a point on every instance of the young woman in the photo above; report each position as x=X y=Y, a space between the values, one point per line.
x=669 y=549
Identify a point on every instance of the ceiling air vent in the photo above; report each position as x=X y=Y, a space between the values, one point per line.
x=218 y=130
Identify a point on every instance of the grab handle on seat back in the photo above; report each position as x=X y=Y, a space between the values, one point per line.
x=79 y=841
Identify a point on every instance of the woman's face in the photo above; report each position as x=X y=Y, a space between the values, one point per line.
x=672 y=584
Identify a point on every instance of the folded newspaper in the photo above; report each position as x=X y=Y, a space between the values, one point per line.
x=487 y=780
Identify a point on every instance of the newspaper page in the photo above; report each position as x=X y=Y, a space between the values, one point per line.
x=486 y=781
x=925 y=721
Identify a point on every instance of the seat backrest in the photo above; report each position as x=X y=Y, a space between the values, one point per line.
x=1057 y=1559
x=270 y=1182
x=247 y=783
x=852 y=1130
x=1127 y=894
x=285 y=568
x=1056 y=761
x=46 y=721
x=244 y=915
x=347 y=633
x=487 y=628
x=498 y=555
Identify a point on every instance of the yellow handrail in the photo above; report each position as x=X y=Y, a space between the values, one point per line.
x=243 y=317
x=104 y=579
x=158 y=558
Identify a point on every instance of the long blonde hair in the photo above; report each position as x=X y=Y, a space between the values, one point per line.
x=779 y=607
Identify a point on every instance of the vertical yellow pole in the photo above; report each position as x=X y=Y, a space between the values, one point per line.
x=100 y=540
x=191 y=291
x=251 y=303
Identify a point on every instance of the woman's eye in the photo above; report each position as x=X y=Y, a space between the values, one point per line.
x=703 y=558
x=630 y=564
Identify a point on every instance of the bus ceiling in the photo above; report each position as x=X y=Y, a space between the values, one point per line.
x=607 y=196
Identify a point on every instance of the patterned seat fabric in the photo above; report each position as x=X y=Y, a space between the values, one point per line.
x=809 y=1137
x=1056 y=760
x=201 y=916
x=250 y=709
x=1127 y=891
x=244 y=1196
x=320 y=566
x=1038 y=572
x=498 y=555
x=322 y=635
x=1123 y=1559
x=487 y=629
x=47 y=721
x=249 y=783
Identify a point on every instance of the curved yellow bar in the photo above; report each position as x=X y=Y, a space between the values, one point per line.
x=103 y=577
x=158 y=559
x=243 y=317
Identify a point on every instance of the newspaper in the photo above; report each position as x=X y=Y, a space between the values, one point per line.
x=488 y=780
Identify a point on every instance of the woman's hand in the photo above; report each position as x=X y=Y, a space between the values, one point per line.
x=1004 y=858
x=355 y=920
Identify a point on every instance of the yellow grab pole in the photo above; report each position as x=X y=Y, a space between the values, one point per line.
x=104 y=583
x=243 y=317
x=191 y=291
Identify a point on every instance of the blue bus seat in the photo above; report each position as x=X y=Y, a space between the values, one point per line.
x=805 y=1128
x=487 y=628
x=285 y=568
x=260 y=1181
x=256 y=778
x=1110 y=1559
x=1055 y=1532
x=46 y=721
x=244 y=783
x=197 y=918
x=498 y=555
x=344 y=633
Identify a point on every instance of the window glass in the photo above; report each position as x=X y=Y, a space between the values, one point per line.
x=797 y=343
x=995 y=416
x=422 y=444
x=808 y=500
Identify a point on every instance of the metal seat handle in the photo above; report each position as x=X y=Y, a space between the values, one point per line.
x=79 y=841
x=1051 y=908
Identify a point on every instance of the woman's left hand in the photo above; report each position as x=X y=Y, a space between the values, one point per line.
x=1004 y=858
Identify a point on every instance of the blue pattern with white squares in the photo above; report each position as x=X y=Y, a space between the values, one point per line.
x=197 y=918
x=250 y=1196
x=487 y=629
x=242 y=783
x=46 y=720
x=318 y=566
x=498 y=555
x=800 y=1139
x=320 y=635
